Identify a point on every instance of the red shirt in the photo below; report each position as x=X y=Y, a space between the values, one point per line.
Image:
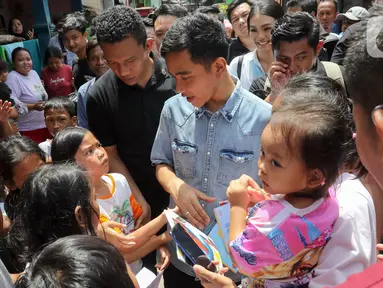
x=58 y=83
x=371 y=277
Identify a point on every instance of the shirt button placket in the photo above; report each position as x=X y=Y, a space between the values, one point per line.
x=210 y=137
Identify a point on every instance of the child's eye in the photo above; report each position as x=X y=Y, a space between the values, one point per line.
x=89 y=152
x=275 y=163
x=98 y=145
x=262 y=153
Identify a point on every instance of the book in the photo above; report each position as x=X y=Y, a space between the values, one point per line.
x=147 y=279
x=204 y=242
x=222 y=215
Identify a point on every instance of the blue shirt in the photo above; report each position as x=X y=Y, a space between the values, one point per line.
x=207 y=150
x=82 y=118
x=70 y=56
x=251 y=69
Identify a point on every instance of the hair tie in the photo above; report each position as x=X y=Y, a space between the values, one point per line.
x=353 y=136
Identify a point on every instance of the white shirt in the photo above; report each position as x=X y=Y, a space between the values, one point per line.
x=251 y=69
x=352 y=246
x=46 y=147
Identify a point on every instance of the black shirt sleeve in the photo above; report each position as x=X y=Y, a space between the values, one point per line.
x=342 y=46
x=80 y=69
x=97 y=110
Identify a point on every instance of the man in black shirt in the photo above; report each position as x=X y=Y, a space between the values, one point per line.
x=237 y=13
x=124 y=105
x=295 y=39
x=72 y=29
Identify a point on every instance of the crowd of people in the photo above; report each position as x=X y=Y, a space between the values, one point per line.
x=277 y=112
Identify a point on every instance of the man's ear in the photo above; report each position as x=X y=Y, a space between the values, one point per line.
x=219 y=66
x=80 y=217
x=377 y=119
x=149 y=45
x=74 y=121
x=315 y=178
x=85 y=34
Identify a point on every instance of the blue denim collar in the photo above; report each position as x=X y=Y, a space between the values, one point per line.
x=231 y=106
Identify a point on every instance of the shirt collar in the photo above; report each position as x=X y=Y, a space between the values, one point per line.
x=160 y=71
x=231 y=106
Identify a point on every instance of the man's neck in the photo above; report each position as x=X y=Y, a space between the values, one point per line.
x=147 y=73
x=222 y=93
x=247 y=42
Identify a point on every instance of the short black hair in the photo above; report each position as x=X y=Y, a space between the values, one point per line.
x=295 y=27
x=5 y=93
x=77 y=261
x=202 y=36
x=293 y=3
x=17 y=50
x=363 y=70
x=234 y=5
x=269 y=8
x=73 y=21
x=148 y=22
x=335 y=2
x=4 y=67
x=61 y=103
x=315 y=111
x=52 y=52
x=118 y=23
x=309 y=6
x=92 y=43
x=58 y=17
x=175 y=10
x=207 y=10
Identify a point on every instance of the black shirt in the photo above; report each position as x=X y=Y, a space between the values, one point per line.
x=128 y=116
x=344 y=43
x=236 y=48
x=81 y=72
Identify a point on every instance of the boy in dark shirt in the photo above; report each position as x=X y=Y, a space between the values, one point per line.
x=72 y=29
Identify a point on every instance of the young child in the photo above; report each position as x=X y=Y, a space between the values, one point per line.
x=113 y=193
x=57 y=77
x=4 y=68
x=59 y=112
x=303 y=148
x=81 y=255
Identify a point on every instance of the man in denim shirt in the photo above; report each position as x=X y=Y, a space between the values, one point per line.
x=209 y=134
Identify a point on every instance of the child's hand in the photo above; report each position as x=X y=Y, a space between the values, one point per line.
x=5 y=111
x=177 y=210
x=380 y=249
x=124 y=243
x=243 y=191
x=165 y=257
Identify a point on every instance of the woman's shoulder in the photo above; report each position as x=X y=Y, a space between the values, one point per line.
x=13 y=75
x=67 y=67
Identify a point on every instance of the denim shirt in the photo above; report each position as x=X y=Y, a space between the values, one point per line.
x=207 y=150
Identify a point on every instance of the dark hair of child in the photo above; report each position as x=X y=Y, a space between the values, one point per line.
x=13 y=151
x=321 y=133
x=61 y=103
x=77 y=261
x=66 y=143
x=48 y=201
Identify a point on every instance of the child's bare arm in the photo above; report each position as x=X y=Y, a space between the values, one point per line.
x=237 y=221
x=151 y=245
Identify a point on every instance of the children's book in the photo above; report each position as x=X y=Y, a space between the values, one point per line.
x=185 y=235
x=212 y=246
x=222 y=215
